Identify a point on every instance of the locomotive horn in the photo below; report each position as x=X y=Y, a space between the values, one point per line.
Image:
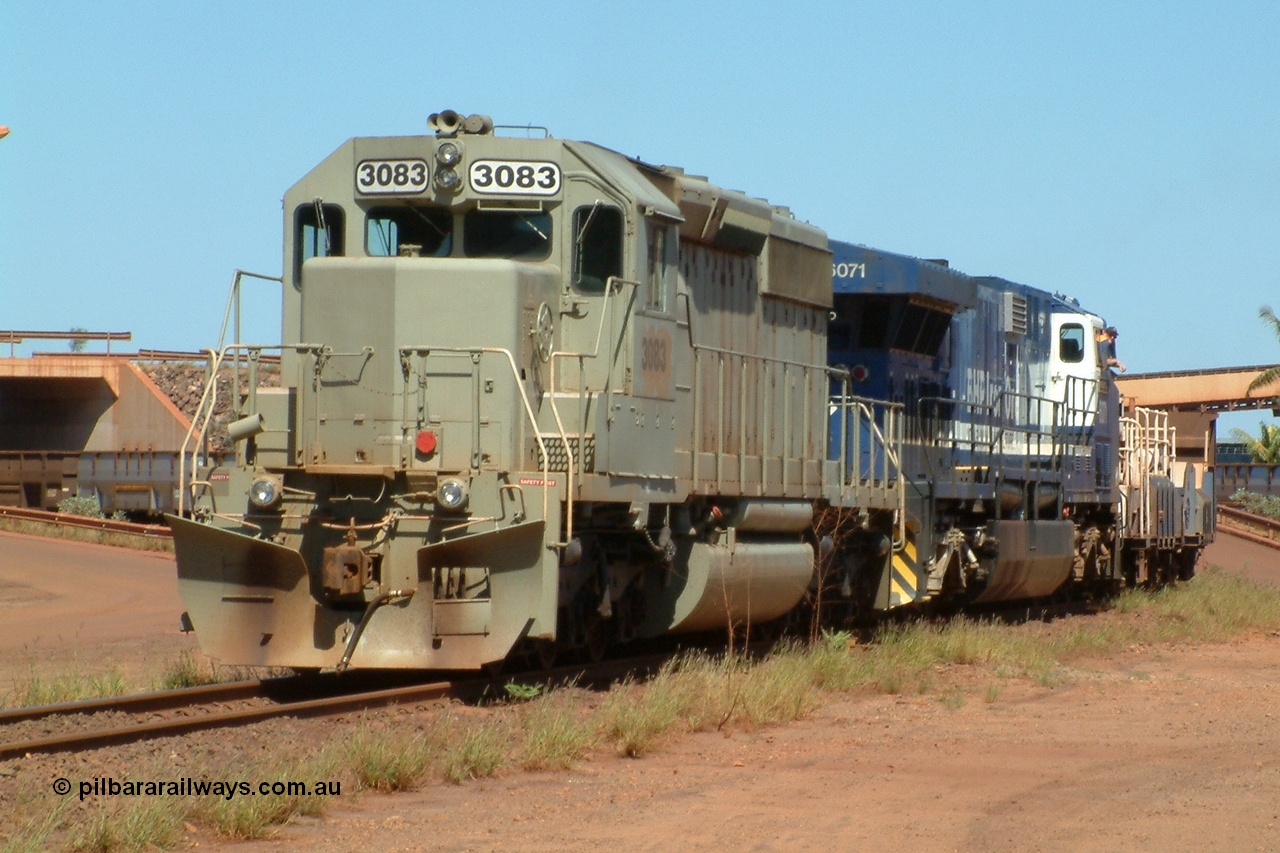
x=477 y=123
x=246 y=427
x=445 y=123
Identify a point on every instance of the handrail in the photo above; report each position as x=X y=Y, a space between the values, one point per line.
x=808 y=371
x=890 y=444
x=208 y=399
x=1032 y=435
x=230 y=315
x=1146 y=450
x=425 y=351
x=612 y=285
x=812 y=374
x=205 y=408
x=992 y=427
x=867 y=406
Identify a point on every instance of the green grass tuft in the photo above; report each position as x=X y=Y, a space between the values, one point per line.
x=69 y=687
x=33 y=836
x=387 y=761
x=518 y=692
x=145 y=824
x=556 y=734
x=186 y=672
x=256 y=815
x=695 y=692
x=479 y=751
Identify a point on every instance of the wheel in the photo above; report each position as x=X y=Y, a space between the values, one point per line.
x=545 y=653
x=1187 y=564
x=596 y=638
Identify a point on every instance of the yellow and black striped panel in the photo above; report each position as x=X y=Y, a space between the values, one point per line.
x=904 y=574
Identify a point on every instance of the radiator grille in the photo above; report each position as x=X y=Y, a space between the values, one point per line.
x=1102 y=471
x=559 y=459
x=1015 y=313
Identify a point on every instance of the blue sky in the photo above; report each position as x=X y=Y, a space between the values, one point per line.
x=1126 y=153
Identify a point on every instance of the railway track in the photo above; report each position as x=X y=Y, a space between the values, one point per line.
x=107 y=525
x=104 y=722
x=95 y=723
x=1255 y=528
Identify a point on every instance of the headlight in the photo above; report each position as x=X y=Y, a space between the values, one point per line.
x=451 y=494
x=448 y=154
x=447 y=180
x=266 y=493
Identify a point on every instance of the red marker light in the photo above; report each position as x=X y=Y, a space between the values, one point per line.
x=425 y=442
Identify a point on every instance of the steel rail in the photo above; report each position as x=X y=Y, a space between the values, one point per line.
x=154 y=531
x=1246 y=525
x=94 y=738
x=139 y=702
x=467 y=689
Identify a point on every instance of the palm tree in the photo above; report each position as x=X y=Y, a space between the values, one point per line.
x=1266 y=447
x=1271 y=374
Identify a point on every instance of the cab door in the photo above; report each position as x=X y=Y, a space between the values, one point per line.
x=641 y=420
x=1073 y=368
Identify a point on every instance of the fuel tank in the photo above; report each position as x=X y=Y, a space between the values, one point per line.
x=770 y=516
x=734 y=581
x=1033 y=560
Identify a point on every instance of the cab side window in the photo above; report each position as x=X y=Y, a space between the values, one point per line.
x=597 y=248
x=656 y=297
x=318 y=233
x=1071 y=343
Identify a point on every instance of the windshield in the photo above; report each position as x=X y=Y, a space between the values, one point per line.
x=506 y=234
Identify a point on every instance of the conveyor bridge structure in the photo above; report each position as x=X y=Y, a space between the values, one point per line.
x=88 y=425
x=1194 y=399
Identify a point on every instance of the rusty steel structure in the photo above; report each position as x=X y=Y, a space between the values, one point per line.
x=12 y=337
x=89 y=425
x=1255 y=528
x=106 y=525
x=171 y=713
x=1223 y=389
x=1194 y=399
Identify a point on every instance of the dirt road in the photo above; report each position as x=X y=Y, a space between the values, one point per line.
x=72 y=607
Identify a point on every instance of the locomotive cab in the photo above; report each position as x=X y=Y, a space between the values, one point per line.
x=1075 y=366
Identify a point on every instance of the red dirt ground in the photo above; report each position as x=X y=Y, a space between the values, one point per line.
x=1168 y=749
x=69 y=608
